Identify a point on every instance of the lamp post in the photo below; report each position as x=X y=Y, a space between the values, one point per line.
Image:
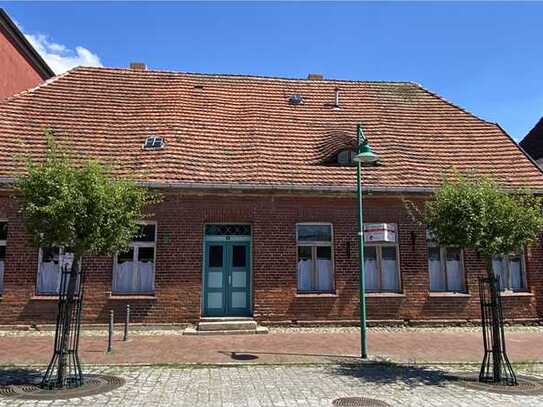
x=364 y=155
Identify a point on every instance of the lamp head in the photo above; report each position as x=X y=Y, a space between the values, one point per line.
x=366 y=155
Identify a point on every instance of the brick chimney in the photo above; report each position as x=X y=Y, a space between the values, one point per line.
x=138 y=66
x=315 y=77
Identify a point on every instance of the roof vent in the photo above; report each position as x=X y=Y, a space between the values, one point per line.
x=138 y=66
x=153 y=143
x=296 y=100
x=315 y=77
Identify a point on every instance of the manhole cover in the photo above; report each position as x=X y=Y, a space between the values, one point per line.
x=358 y=402
x=527 y=386
x=92 y=384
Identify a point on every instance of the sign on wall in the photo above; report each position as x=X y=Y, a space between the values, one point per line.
x=380 y=232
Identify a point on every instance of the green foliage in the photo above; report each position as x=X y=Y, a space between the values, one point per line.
x=478 y=214
x=79 y=206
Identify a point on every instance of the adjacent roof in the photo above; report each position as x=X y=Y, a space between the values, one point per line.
x=25 y=48
x=241 y=131
x=533 y=142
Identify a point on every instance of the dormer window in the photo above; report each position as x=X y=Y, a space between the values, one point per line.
x=345 y=157
x=153 y=143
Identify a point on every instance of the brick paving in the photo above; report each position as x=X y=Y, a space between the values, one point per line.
x=263 y=386
x=280 y=346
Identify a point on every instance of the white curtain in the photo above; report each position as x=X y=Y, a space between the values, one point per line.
x=455 y=276
x=370 y=269
x=130 y=277
x=304 y=274
x=145 y=276
x=390 y=269
x=325 y=276
x=515 y=267
x=500 y=270
x=123 y=277
x=437 y=282
x=1 y=276
x=49 y=278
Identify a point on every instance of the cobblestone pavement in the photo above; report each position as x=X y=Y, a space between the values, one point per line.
x=283 y=386
x=176 y=331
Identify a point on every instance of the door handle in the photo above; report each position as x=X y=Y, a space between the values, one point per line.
x=230 y=280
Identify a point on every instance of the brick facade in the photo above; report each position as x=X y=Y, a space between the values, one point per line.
x=180 y=219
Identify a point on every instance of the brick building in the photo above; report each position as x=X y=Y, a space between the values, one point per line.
x=21 y=67
x=533 y=143
x=258 y=216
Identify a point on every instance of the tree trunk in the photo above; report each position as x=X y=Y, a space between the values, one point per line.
x=64 y=370
x=495 y=355
x=496 y=323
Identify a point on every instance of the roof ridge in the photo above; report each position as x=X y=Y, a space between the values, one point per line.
x=230 y=75
x=451 y=103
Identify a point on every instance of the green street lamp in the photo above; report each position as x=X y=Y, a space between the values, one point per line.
x=364 y=156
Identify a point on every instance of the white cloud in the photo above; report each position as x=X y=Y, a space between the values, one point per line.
x=61 y=58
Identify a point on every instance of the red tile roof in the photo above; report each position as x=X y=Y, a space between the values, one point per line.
x=241 y=130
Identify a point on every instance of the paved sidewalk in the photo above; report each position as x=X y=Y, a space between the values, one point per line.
x=285 y=386
x=279 y=347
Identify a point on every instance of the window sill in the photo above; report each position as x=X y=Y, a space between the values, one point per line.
x=516 y=294
x=53 y=297
x=385 y=295
x=316 y=295
x=132 y=297
x=448 y=294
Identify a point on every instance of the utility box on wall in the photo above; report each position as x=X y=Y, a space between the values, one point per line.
x=380 y=232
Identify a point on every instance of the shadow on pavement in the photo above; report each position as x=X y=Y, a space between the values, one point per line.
x=389 y=373
x=18 y=375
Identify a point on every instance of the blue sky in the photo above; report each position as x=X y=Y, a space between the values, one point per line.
x=486 y=57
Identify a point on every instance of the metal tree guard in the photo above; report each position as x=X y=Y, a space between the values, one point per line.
x=495 y=367
x=64 y=370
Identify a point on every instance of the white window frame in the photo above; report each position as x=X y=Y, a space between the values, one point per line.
x=506 y=257
x=443 y=266
x=136 y=245
x=3 y=243
x=379 y=254
x=61 y=253
x=314 y=245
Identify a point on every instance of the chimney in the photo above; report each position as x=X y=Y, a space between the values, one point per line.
x=138 y=66
x=315 y=77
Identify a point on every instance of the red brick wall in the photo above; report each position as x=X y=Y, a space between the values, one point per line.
x=180 y=220
x=16 y=73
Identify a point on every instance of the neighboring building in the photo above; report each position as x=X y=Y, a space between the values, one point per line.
x=533 y=143
x=259 y=210
x=21 y=67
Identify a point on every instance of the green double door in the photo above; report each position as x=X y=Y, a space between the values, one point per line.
x=227 y=282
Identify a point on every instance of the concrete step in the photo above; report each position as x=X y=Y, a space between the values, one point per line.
x=258 y=330
x=228 y=325
x=221 y=319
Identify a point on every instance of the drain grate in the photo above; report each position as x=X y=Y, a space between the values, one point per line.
x=92 y=384
x=358 y=402
x=527 y=386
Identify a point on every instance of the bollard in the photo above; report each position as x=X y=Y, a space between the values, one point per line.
x=126 y=322
x=110 y=336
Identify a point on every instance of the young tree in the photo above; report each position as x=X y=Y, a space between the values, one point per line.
x=478 y=214
x=83 y=208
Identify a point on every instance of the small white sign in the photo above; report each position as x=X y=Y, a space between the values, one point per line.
x=380 y=232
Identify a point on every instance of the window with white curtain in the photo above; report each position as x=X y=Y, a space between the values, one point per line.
x=3 y=243
x=315 y=258
x=51 y=261
x=134 y=269
x=511 y=271
x=381 y=267
x=445 y=266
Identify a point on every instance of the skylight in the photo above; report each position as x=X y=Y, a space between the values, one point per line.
x=153 y=143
